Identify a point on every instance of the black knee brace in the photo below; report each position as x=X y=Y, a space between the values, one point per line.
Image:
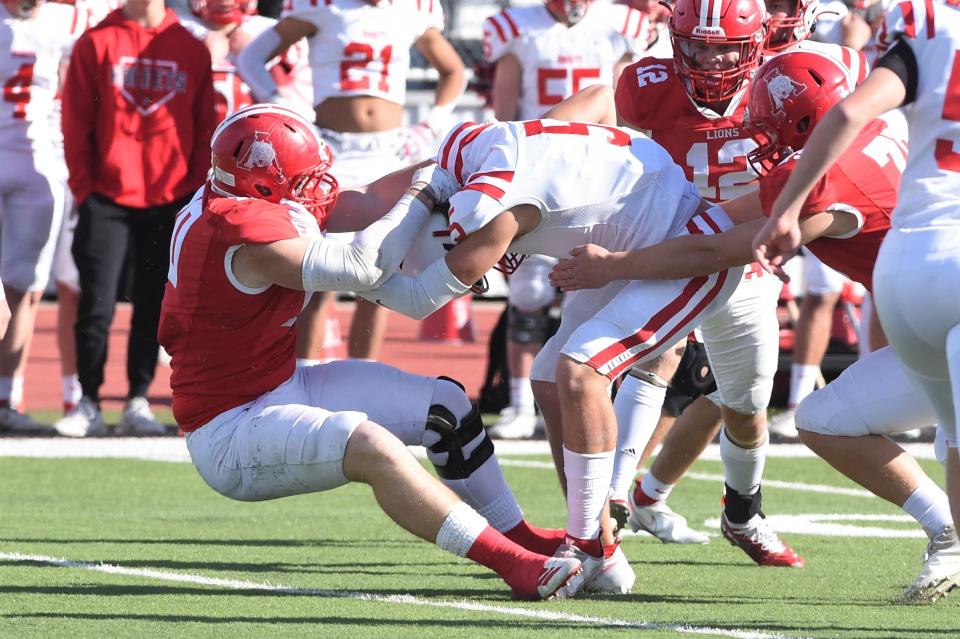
x=528 y=327
x=693 y=378
x=454 y=437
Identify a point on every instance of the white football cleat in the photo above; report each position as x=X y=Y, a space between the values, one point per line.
x=659 y=520
x=616 y=577
x=783 y=427
x=589 y=567
x=137 y=419
x=941 y=569
x=514 y=423
x=84 y=420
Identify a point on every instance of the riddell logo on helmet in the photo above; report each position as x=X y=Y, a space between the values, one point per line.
x=781 y=88
x=260 y=154
x=709 y=31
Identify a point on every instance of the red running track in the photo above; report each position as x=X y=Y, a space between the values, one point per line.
x=465 y=362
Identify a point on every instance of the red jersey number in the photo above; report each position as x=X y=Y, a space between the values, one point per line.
x=721 y=173
x=578 y=77
x=17 y=90
x=358 y=55
x=617 y=136
x=947 y=158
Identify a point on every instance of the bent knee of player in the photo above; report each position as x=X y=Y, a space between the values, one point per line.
x=817 y=413
x=372 y=453
x=745 y=427
x=575 y=378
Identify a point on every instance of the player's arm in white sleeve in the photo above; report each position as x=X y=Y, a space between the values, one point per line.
x=320 y=264
x=451 y=276
x=252 y=61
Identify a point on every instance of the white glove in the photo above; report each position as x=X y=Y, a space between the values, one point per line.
x=441 y=184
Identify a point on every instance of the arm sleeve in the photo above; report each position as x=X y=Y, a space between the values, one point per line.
x=419 y=296
x=79 y=119
x=252 y=65
x=373 y=255
x=900 y=59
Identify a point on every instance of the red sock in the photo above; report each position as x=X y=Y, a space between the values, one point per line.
x=641 y=498
x=543 y=541
x=519 y=567
x=592 y=547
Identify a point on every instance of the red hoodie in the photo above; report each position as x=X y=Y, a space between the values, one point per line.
x=138 y=112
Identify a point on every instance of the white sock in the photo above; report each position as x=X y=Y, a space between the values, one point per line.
x=928 y=504
x=70 y=385
x=742 y=467
x=303 y=362
x=6 y=388
x=460 y=529
x=588 y=482
x=803 y=379
x=521 y=394
x=11 y=390
x=637 y=405
x=654 y=488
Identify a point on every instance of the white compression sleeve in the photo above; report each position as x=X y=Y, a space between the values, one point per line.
x=374 y=254
x=419 y=296
x=252 y=65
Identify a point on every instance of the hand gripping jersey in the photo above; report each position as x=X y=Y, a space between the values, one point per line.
x=290 y=69
x=558 y=60
x=229 y=344
x=30 y=55
x=711 y=147
x=931 y=181
x=864 y=181
x=592 y=183
x=361 y=48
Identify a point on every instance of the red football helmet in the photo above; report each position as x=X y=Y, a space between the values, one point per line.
x=272 y=153
x=573 y=9
x=789 y=95
x=785 y=31
x=738 y=24
x=223 y=11
x=21 y=8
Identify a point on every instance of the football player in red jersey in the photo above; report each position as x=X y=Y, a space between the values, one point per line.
x=246 y=254
x=844 y=221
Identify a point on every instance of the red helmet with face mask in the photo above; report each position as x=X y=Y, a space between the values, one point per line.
x=740 y=24
x=223 y=11
x=574 y=10
x=785 y=31
x=272 y=153
x=789 y=95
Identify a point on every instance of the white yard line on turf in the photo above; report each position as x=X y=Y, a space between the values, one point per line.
x=236 y=584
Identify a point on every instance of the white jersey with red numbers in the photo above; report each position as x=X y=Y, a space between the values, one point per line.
x=31 y=52
x=930 y=195
x=361 y=48
x=207 y=312
x=292 y=69
x=593 y=184
x=559 y=60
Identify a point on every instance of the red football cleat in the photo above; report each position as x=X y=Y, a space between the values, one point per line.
x=760 y=542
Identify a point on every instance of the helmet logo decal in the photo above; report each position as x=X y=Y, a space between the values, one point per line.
x=781 y=88
x=260 y=155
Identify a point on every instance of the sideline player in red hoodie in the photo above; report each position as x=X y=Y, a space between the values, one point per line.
x=138 y=111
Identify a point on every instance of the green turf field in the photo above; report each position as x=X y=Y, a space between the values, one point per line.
x=351 y=573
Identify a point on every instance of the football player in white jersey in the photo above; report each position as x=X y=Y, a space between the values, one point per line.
x=359 y=58
x=588 y=180
x=227 y=26
x=918 y=266
x=35 y=40
x=543 y=54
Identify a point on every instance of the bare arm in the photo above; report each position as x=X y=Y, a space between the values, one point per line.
x=593 y=104
x=505 y=93
x=444 y=58
x=359 y=207
x=780 y=237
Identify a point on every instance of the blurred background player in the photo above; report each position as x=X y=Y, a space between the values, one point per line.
x=359 y=59
x=226 y=27
x=136 y=147
x=543 y=54
x=35 y=42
